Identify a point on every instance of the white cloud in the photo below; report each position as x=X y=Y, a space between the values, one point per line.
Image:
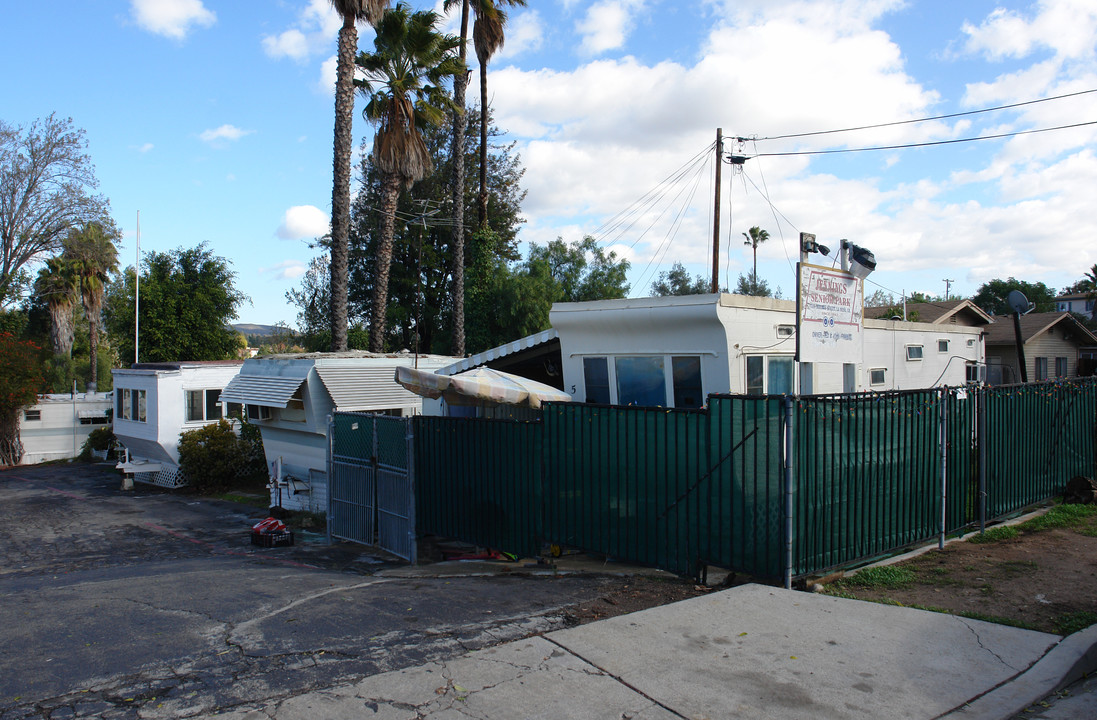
x=1066 y=27
x=328 y=72
x=607 y=24
x=145 y=148
x=303 y=222
x=223 y=133
x=171 y=18
x=314 y=32
x=285 y=270
x=524 y=33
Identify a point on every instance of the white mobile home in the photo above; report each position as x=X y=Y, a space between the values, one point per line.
x=155 y=402
x=675 y=351
x=56 y=426
x=290 y=398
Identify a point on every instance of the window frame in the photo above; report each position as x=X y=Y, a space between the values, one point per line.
x=1040 y=368
x=1062 y=372
x=942 y=345
x=913 y=356
x=872 y=376
x=32 y=415
x=207 y=402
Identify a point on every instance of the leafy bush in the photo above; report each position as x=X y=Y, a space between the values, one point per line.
x=99 y=439
x=214 y=458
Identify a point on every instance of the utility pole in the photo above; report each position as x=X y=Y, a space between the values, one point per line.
x=948 y=284
x=716 y=213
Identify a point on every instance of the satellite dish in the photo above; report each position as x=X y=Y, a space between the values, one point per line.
x=1018 y=302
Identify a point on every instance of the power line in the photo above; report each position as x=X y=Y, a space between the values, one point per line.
x=925 y=119
x=927 y=144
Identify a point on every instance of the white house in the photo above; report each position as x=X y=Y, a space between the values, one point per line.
x=1081 y=303
x=56 y=426
x=675 y=351
x=291 y=397
x=155 y=402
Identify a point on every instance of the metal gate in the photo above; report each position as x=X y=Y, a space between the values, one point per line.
x=371 y=497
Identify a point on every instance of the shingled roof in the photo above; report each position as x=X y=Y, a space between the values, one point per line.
x=1000 y=332
x=943 y=312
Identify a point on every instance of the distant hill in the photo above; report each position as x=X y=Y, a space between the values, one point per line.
x=254 y=329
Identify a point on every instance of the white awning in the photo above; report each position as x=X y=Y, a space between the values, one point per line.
x=262 y=390
x=364 y=388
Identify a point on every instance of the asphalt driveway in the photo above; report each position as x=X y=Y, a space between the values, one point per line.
x=152 y=604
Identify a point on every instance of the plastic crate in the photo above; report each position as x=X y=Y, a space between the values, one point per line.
x=272 y=540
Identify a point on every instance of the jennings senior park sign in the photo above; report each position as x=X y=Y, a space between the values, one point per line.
x=829 y=307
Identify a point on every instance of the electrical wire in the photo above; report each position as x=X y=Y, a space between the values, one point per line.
x=998 y=136
x=925 y=119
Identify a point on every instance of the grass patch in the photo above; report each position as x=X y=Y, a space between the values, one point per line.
x=259 y=501
x=879 y=578
x=1061 y=516
x=1017 y=567
x=973 y=615
x=998 y=534
x=1072 y=622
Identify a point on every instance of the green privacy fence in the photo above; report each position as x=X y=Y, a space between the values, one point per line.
x=684 y=489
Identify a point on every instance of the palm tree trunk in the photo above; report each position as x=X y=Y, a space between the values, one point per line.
x=390 y=192
x=457 y=152
x=93 y=344
x=482 y=200
x=340 y=193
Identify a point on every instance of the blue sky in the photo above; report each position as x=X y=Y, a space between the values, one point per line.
x=213 y=118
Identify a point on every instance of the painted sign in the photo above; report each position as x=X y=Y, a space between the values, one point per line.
x=830 y=315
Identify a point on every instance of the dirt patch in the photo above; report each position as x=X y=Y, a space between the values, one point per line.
x=1033 y=575
x=632 y=594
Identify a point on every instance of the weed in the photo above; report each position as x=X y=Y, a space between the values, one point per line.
x=986 y=589
x=880 y=578
x=1061 y=516
x=973 y=615
x=1072 y=622
x=1089 y=531
x=997 y=534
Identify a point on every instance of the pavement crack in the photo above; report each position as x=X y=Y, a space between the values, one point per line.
x=979 y=640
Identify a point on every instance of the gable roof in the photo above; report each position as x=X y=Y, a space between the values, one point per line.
x=1034 y=324
x=943 y=312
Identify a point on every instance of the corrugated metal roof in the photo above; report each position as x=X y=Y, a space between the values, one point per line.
x=261 y=390
x=364 y=388
x=497 y=352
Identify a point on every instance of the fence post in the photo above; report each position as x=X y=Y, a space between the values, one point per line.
x=942 y=399
x=412 y=532
x=331 y=473
x=981 y=435
x=789 y=475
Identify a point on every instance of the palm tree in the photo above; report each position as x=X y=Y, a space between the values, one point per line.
x=57 y=284
x=487 y=36
x=351 y=11
x=756 y=237
x=94 y=259
x=403 y=81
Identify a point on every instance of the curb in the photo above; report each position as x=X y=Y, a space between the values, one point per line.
x=1067 y=661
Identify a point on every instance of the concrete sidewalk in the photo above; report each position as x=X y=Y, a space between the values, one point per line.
x=752 y=651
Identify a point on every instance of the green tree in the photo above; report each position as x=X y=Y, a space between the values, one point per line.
x=57 y=286
x=404 y=79
x=20 y=379
x=755 y=237
x=993 y=296
x=420 y=306
x=91 y=254
x=677 y=281
x=351 y=11
x=46 y=179
x=188 y=298
x=752 y=285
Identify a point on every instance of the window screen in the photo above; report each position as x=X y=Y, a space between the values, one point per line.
x=596 y=380
x=641 y=381
x=687 y=382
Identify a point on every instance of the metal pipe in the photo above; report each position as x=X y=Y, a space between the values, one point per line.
x=789 y=475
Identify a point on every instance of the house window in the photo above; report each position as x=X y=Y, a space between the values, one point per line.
x=258 y=412
x=942 y=346
x=234 y=410
x=32 y=415
x=807 y=378
x=756 y=374
x=877 y=376
x=641 y=381
x=596 y=380
x=129 y=404
x=849 y=377
x=97 y=420
x=202 y=405
x=914 y=352
x=1041 y=368
x=686 y=373
x=1060 y=367
x=770 y=374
